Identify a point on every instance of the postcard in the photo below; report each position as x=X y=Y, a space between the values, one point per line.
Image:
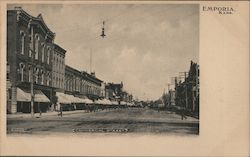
x=125 y=78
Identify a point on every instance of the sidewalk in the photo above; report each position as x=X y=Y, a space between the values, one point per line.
x=52 y=113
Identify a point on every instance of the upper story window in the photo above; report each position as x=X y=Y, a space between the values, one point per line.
x=22 y=66
x=30 y=53
x=36 y=46
x=48 y=79
x=43 y=51
x=22 y=34
x=29 y=75
x=48 y=54
x=36 y=70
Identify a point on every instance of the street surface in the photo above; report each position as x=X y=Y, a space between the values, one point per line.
x=130 y=120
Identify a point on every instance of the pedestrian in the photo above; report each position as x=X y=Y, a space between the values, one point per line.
x=61 y=110
x=183 y=114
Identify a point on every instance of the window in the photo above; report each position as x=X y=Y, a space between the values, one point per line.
x=42 y=77
x=43 y=52
x=36 y=74
x=30 y=53
x=48 y=79
x=29 y=75
x=36 y=46
x=48 y=55
x=22 y=41
x=21 y=65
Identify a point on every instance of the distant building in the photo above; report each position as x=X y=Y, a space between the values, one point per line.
x=109 y=92
x=126 y=97
x=29 y=47
x=115 y=91
x=80 y=83
x=171 y=97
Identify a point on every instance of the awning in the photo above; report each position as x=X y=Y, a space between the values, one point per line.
x=62 y=98
x=103 y=102
x=107 y=102
x=123 y=103
x=99 y=101
x=88 y=101
x=68 y=99
x=25 y=95
x=114 y=102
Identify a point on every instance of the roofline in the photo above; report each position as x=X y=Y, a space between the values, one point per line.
x=33 y=18
x=83 y=72
x=61 y=49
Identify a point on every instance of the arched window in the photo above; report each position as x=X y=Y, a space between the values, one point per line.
x=22 y=41
x=29 y=75
x=48 y=79
x=30 y=53
x=36 y=71
x=42 y=77
x=36 y=46
x=43 y=51
x=48 y=54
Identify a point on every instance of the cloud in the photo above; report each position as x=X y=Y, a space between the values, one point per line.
x=145 y=46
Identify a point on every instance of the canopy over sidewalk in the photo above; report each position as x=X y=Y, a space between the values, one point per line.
x=68 y=99
x=25 y=96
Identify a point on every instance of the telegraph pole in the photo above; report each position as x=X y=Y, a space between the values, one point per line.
x=185 y=84
x=90 y=60
x=32 y=74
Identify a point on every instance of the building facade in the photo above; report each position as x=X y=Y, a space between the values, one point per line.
x=29 y=51
x=114 y=91
x=58 y=68
x=187 y=92
x=81 y=83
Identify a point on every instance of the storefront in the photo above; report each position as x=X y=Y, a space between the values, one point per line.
x=41 y=101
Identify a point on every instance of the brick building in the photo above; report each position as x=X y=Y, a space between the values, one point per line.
x=30 y=48
x=58 y=68
x=81 y=83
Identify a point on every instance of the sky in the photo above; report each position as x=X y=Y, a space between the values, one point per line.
x=145 y=44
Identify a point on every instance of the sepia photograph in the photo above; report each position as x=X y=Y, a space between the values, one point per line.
x=124 y=78
x=103 y=68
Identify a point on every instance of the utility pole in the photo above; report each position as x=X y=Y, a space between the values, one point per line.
x=90 y=60
x=185 y=84
x=32 y=74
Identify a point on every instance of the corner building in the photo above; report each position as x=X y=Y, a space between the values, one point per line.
x=30 y=47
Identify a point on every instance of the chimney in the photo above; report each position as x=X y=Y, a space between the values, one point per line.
x=92 y=74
